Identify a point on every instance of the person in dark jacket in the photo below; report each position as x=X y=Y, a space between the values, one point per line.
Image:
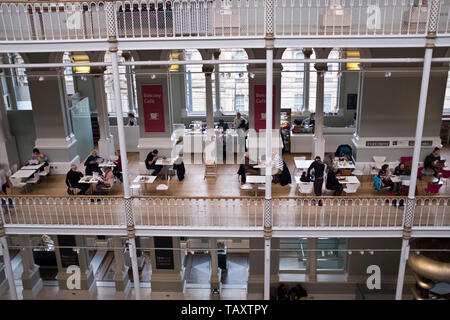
x=333 y=182
x=179 y=167
x=91 y=164
x=319 y=167
x=285 y=176
x=431 y=162
x=72 y=180
x=241 y=173
x=150 y=162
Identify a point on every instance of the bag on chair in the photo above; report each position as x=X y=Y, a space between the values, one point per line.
x=305 y=177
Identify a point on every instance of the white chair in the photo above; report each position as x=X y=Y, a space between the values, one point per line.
x=359 y=171
x=305 y=187
x=351 y=188
x=45 y=172
x=246 y=186
x=378 y=162
x=17 y=183
x=34 y=179
x=135 y=187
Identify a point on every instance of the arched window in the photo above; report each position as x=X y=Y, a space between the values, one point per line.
x=233 y=82
x=331 y=90
x=109 y=87
x=194 y=83
x=293 y=81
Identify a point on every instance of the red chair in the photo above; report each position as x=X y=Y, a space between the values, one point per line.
x=445 y=174
x=419 y=171
x=433 y=188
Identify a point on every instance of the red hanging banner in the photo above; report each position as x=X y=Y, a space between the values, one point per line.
x=260 y=107
x=153 y=105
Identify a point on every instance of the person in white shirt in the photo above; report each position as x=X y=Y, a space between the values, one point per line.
x=238 y=120
x=132 y=121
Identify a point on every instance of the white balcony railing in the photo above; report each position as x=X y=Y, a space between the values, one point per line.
x=306 y=213
x=153 y=19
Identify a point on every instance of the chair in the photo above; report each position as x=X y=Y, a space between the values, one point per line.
x=17 y=183
x=351 y=188
x=445 y=175
x=433 y=188
x=359 y=172
x=305 y=187
x=378 y=162
x=135 y=187
x=210 y=169
x=45 y=172
x=34 y=179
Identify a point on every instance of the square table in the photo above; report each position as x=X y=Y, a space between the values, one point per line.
x=23 y=174
x=34 y=167
x=349 y=180
x=303 y=164
x=256 y=180
x=144 y=180
x=166 y=163
x=91 y=180
x=108 y=164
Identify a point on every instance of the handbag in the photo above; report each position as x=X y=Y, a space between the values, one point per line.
x=305 y=177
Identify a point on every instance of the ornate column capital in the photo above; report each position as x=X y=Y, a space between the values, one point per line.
x=321 y=67
x=208 y=69
x=98 y=71
x=216 y=54
x=307 y=52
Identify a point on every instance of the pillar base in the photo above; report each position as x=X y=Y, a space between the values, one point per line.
x=255 y=286
x=123 y=284
x=167 y=286
x=318 y=148
x=8 y=153
x=88 y=287
x=32 y=284
x=106 y=147
x=3 y=281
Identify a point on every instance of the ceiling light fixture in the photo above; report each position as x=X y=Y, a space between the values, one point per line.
x=153 y=76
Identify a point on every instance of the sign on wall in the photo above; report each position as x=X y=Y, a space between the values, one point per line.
x=260 y=107
x=164 y=258
x=153 y=105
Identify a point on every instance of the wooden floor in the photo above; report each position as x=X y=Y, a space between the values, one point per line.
x=225 y=184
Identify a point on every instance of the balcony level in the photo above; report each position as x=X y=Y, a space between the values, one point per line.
x=65 y=25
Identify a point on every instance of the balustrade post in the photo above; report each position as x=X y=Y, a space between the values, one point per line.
x=434 y=18
x=7 y=261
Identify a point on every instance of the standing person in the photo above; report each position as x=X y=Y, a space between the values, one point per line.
x=91 y=164
x=132 y=121
x=72 y=180
x=329 y=160
x=310 y=121
x=319 y=169
x=150 y=162
x=237 y=122
x=432 y=164
x=117 y=171
x=333 y=182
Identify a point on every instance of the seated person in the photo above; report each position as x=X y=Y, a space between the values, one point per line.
x=223 y=125
x=385 y=176
x=238 y=120
x=401 y=170
x=38 y=157
x=297 y=128
x=277 y=167
x=333 y=182
x=117 y=171
x=249 y=170
x=431 y=163
x=72 y=180
x=105 y=181
x=329 y=160
x=347 y=157
x=91 y=164
x=150 y=162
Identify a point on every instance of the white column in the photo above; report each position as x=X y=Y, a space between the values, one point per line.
x=217 y=82
x=31 y=278
x=8 y=148
x=307 y=52
x=9 y=271
x=106 y=142
x=269 y=115
x=121 y=280
x=319 y=141
x=125 y=177
x=267 y=246
x=207 y=70
x=410 y=207
x=215 y=276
